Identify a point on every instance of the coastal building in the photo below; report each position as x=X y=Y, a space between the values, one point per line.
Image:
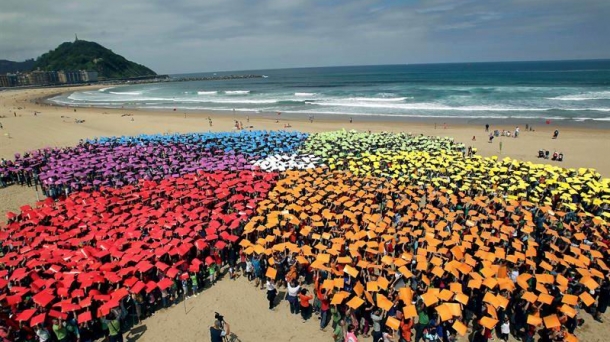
x=23 y=80
x=88 y=76
x=4 y=81
x=38 y=78
x=42 y=78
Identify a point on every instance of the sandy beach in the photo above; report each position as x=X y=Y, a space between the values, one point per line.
x=28 y=126
x=55 y=126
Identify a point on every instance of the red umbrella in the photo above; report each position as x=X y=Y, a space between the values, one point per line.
x=69 y=307
x=161 y=266
x=172 y=272
x=209 y=260
x=13 y=300
x=57 y=314
x=165 y=283
x=150 y=286
x=200 y=244
x=120 y=294
x=86 y=302
x=25 y=315
x=43 y=298
x=220 y=244
x=84 y=317
x=39 y=319
x=139 y=286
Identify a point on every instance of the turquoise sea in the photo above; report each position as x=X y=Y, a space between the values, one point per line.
x=562 y=90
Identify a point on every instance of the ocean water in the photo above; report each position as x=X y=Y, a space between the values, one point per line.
x=566 y=90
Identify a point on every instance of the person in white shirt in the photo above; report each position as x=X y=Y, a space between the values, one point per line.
x=42 y=333
x=293 y=293
x=271 y=292
x=505 y=329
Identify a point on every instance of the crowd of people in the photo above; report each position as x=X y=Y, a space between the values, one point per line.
x=154 y=245
x=389 y=236
x=411 y=263
x=116 y=162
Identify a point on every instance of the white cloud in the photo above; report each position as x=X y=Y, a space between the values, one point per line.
x=193 y=35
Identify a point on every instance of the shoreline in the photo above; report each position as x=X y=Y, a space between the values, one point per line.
x=506 y=123
x=54 y=126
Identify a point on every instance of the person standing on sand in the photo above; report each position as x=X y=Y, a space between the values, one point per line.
x=217 y=332
x=350 y=120
x=271 y=292
x=486 y=127
x=305 y=306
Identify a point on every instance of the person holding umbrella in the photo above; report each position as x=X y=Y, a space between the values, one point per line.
x=59 y=328
x=114 y=327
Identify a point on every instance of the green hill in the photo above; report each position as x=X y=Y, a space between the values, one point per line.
x=11 y=67
x=84 y=55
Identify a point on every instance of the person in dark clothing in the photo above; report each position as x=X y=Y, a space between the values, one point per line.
x=602 y=300
x=218 y=331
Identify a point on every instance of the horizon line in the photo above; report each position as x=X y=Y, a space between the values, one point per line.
x=397 y=64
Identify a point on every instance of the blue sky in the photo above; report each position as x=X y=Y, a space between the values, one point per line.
x=183 y=36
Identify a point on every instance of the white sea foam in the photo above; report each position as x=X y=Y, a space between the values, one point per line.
x=305 y=94
x=595 y=95
x=377 y=99
x=237 y=92
x=227 y=101
x=126 y=93
x=104 y=89
x=440 y=107
x=207 y=92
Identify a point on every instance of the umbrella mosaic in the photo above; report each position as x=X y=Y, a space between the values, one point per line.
x=287 y=162
x=84 y=254
x=124 y=160
x=258 y=143
x=339 y=144
x=370 y=237
x=569 y=189
x=381 y=221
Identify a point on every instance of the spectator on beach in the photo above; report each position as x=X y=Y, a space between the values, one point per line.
x=556 y=134
x=271 y=292
x=305 y=306
x=486 y=127
x=292 y=297
x=219 y=330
